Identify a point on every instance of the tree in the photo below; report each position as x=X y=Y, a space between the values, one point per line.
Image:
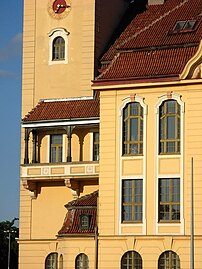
x=5 y=227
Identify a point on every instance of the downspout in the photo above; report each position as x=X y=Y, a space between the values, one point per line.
x=96 y=248
x=96 y=238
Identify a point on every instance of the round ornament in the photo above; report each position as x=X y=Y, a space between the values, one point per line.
x=59 y=9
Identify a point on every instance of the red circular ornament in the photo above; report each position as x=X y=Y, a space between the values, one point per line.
x=59 y=6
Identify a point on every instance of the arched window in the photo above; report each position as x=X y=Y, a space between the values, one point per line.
x=58 y=46
x=169 y=127
x=131 y=260
x=51 y=261
x=133 y=129
x=82 y=261
x=58 y=49
x=169 y=260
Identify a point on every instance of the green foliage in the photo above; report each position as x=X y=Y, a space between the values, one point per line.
x=5 y=227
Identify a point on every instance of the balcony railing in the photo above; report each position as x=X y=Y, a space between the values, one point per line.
x=58 y=171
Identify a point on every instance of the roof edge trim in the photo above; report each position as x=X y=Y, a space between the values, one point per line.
x=192 y=63
x=60 y=123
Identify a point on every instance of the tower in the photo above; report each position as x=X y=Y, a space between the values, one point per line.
x=62 y=42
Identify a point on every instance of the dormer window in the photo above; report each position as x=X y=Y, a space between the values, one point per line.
x=84 y=221
x=184 y=26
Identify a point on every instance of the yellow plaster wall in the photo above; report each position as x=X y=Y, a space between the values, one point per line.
x=110 y=169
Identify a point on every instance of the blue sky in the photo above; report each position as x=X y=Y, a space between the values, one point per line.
x=10 y=108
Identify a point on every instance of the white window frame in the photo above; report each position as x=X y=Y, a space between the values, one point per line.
x=125 y=101
x=166 y=97
x=58 y=32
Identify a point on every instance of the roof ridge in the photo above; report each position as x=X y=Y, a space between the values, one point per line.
x=151 y=24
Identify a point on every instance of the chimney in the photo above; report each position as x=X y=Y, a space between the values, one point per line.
x=156 y=2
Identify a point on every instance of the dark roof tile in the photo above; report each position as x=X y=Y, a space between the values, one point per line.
x=148 y=47
x=64 y=109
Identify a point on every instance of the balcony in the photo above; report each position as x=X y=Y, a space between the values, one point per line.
x=70 y=174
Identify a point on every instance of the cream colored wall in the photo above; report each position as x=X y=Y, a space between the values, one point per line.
x=35 y=252
x=113 y=168
x=150 y=248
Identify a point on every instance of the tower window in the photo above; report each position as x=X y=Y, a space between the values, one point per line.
x=58 y=49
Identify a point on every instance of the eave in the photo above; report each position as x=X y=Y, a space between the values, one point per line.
x=57 y=123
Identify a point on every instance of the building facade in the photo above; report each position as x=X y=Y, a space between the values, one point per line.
x=111 y=134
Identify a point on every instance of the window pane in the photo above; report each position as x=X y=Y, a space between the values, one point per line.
x=170 y=127
x=82 y=261
x=132 y=197
x=133 y=129
x=169 y=199
x=58 y=48
x=134 y=109
x=51 y=261
x=56 y=150
x=96 y=146
x=169 y=260
x=131 y=260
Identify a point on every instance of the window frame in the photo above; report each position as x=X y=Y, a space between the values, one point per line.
x=164 y=116
x=170 y=203
x=58 y=49
x=84 y=218
x=176 y=97
x=58 y=32
x=132 y=257
x=127 y=142
x=81 y=258
x=96 y=146
x=167 y=257
x=57 y=147
x=53 y=259
x=133 y=204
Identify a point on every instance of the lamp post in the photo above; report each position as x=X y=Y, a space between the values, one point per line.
x=9 y=231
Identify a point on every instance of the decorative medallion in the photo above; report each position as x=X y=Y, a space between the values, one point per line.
x=58 y=9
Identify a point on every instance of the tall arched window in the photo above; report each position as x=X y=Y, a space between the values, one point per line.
x=169 y=260
x=51 y=261
x=133 y=129
x=131 y=260
x=169 y=127
x=58 y=49
x=82 y=261
x=58 y=46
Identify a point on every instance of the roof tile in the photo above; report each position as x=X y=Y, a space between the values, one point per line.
x=149 y=48
x=60 y=110
x=83 y=205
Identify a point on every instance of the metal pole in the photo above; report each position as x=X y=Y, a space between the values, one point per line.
x=9 y=248
x=192 y=217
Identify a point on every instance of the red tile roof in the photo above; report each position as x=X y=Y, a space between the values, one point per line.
x=84 y=205
x=151 y=63
x=152 y=30
x=64 y=109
